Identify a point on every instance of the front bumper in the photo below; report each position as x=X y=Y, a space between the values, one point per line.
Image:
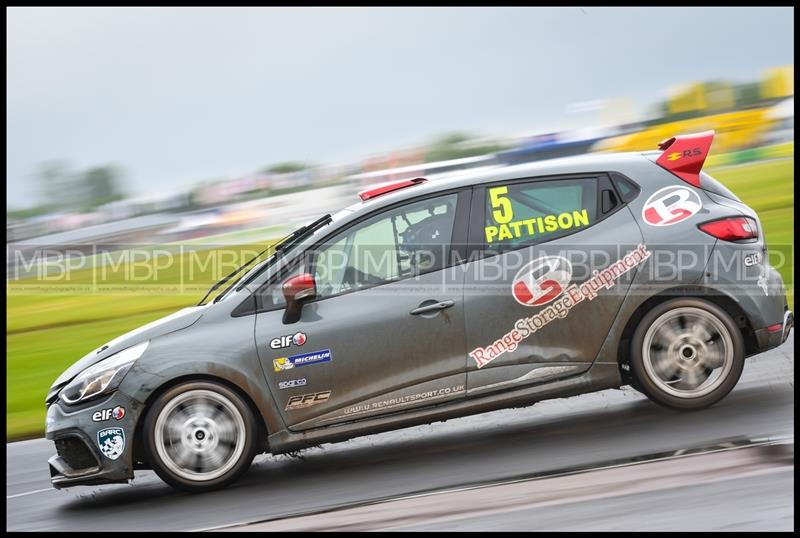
x=79 y=432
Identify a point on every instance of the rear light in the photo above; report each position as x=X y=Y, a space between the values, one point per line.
x=775 y=328
x=372 y=193
x=731 y=228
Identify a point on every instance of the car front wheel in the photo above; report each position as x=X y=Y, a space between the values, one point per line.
x=199 y=436
x=687 y=354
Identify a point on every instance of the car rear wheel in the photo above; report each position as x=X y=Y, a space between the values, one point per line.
x=687 y=354
x=200 y=436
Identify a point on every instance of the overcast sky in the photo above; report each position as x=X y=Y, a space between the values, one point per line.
x=175 y=96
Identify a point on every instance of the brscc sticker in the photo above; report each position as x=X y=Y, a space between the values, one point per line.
x=671 y=205
x=541 y=281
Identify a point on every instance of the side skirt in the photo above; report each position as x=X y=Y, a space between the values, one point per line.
x=600 y=376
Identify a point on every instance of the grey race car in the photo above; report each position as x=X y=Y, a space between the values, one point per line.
x=429 y=300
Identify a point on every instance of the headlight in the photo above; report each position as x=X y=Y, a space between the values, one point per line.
x=104 y=376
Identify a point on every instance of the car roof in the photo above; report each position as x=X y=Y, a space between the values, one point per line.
x=587 y=163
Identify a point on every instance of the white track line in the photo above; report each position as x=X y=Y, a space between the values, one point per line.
x=28 y=493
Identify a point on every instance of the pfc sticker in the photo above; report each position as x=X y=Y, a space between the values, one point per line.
x=671 y=205
x=117 y=413
x=292 y=383
x=307 y=400
x=286 y=363
x=297 y=339
x=111 y=442
x=541 y=281
x=505 y=227
x=561 y=307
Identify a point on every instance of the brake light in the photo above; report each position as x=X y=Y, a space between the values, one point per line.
x=372 y=193
x=731 y=228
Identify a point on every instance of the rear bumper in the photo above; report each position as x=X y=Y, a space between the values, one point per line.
x=768 y=338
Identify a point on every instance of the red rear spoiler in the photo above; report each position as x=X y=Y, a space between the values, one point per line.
x=684 y=155
x=377 y=191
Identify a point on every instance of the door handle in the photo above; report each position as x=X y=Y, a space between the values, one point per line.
x=427 y=309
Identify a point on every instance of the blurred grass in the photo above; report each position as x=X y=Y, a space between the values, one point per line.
x=46 y=333
x=768 y=188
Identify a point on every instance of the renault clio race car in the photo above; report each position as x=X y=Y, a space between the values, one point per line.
x=429 y=300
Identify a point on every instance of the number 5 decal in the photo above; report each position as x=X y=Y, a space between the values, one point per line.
x=502 y=211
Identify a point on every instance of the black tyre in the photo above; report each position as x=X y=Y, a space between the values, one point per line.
x=687 y=354
x=199 y=436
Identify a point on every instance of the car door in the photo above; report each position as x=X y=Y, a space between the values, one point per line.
x=540 y=242
x=385 y=333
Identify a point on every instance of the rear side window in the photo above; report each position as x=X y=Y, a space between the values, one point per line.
x=628 y=190
x=522 y=213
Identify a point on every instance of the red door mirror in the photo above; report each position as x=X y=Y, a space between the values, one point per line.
x=297 y=290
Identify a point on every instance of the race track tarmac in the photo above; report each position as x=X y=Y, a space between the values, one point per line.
x=608 y=426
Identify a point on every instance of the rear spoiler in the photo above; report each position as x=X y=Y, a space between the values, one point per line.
x=684 y=155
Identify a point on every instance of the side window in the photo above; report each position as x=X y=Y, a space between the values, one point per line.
x=522 y=213
x=402 y=242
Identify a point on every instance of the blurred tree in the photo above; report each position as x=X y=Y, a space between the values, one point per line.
x=458 y=145
x=453 y=138
x=286 y=168
x=29 y=212
x=54 y=179
x=748 y=94
x=101 y=185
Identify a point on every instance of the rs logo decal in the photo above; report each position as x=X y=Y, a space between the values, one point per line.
x=541 y=281
x=671 y=205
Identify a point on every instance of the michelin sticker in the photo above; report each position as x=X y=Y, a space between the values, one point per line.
x=671 y=205
x=111 y=442
x=287 y=363
x=562 y=305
